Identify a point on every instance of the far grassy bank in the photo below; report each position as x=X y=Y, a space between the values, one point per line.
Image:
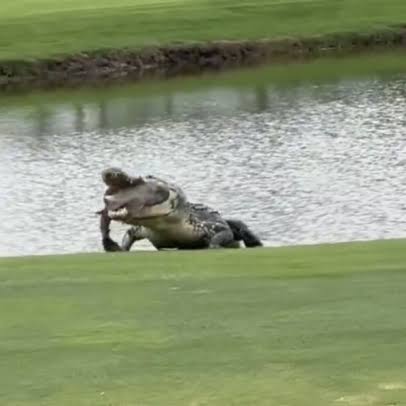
x=44 y=28
x=317 y=325
x=49 y=43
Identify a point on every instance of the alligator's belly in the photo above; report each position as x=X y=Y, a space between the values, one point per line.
x=183 y=235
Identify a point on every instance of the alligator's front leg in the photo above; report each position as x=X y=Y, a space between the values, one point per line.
x=132 y=235
x=109 y=245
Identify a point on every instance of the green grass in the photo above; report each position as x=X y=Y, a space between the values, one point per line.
x=42 y=28
x=301 y=326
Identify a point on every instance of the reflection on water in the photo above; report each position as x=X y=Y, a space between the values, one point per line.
x=304 y=164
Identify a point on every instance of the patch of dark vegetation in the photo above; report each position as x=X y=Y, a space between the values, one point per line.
x=116 y=65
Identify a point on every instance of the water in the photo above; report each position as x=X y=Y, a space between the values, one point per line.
x=306 y=163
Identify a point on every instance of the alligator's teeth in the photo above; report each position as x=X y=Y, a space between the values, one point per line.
x=118 y=213
x=123 y=212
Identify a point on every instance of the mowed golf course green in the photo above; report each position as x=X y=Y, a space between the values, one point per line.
x=43 y=28
x=317 y=326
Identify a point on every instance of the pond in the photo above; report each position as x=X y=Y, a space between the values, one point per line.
x=301 y=162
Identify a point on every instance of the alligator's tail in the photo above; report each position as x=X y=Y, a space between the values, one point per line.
x=243 y=233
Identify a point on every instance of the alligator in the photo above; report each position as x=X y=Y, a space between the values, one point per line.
x=160 y=212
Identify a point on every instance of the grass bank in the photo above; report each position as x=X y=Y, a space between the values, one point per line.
x=295 y=326
x=44 y=28
x=52 y=43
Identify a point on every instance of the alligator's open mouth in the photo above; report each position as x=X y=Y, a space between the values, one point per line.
x=122 y=214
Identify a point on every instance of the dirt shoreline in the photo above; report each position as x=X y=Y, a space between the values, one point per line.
x=99 y=67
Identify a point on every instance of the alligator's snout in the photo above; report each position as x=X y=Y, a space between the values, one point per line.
x=110 y=175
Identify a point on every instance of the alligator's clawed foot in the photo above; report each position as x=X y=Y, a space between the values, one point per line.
x=110 y=246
